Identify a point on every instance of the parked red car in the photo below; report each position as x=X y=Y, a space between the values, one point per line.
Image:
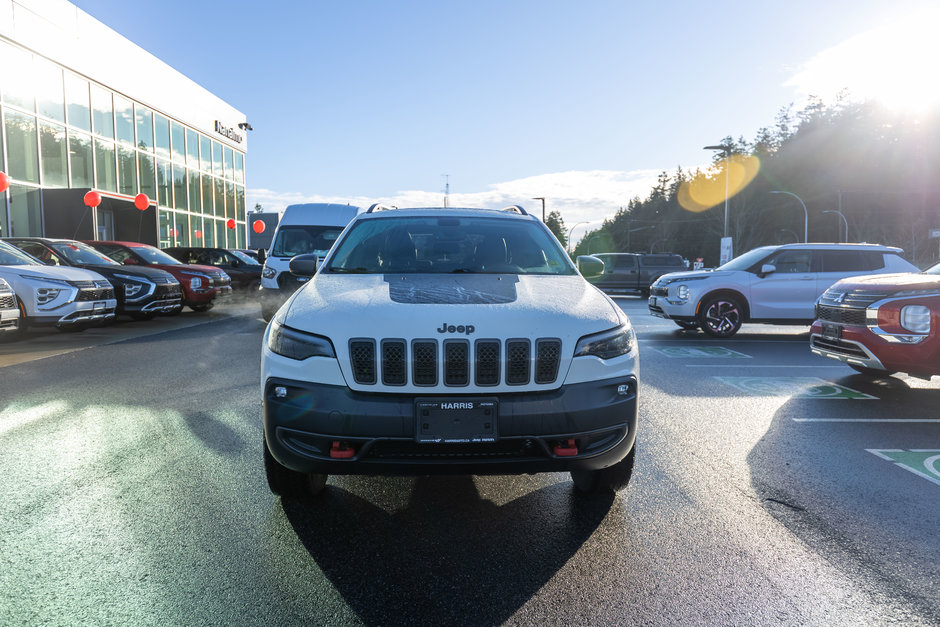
x=880 y=325
x=203 y=286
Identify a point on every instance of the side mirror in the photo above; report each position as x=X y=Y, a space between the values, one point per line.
x=235 y=263
x=261 y=256
x=767 y=268
x=303 y=265
x=590 y=266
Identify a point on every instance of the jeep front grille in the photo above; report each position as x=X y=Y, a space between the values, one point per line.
x=454 y=362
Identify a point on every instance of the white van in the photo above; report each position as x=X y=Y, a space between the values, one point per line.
x=303 y=229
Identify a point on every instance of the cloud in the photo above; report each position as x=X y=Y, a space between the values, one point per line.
x=580 y=196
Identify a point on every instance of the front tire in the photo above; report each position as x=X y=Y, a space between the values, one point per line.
x=721 y=316
x=288 y=483
x=606 y=480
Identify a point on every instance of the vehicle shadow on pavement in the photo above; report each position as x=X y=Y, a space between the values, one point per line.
x=450 y=556
x=814 y=472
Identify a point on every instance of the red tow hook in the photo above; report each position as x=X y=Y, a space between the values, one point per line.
x=568 y=449
x=341 y=450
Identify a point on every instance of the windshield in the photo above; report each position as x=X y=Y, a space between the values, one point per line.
x=154 y=255
x=438 y=244
x=79 y=253
x=934 y=269
x=246 y=259
x=12 y=256
x=748 y=259
x=301 y=239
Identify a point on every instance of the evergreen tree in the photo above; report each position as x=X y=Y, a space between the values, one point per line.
x=556 y=225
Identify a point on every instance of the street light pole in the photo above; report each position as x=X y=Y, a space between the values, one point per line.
x=805 y=214
x=844 y=221
x=571 y=230
x=543 y=206
x=727 y=151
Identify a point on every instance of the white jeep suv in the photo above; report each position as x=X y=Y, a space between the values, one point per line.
x=443 y=340
x=770 y=284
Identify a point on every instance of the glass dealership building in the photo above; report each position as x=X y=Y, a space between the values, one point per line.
x=83 y=108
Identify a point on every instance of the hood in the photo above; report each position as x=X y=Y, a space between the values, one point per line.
x=689 y=274
x=66 y=273
x=902 y=281
x=185 y=267
x=471 y=306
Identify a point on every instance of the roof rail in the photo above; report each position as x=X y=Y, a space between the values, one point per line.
x=380 y=207
x=515 y=209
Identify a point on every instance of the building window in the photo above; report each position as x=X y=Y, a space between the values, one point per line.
x=192 y=149
x=53 y=151
x=195 y=194
x=229 y=164
x=105 y=168
x=208 y=232
x=177 y=134
x=127 y=170
x=205 y=154
x=76 y=98
x=21 y=146
x=102 y=112
x=229 y=200
x=181 y=221
x=207 y=204
x=195 y=226
x=220 y=237
x=50 y=97
x=124 y=120
x=217 y=167
x=80 y=157
x=239 y=202
x=17 y=84
x=147 y=175
x=166 y=228
x=164 y=184
x=219 y=197
x=239 y=168
x=179 y=187
x=144 y=119
x=25 y=212
x=161 y=135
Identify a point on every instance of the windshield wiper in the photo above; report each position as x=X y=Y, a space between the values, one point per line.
x=463 y=271
x=359 y=270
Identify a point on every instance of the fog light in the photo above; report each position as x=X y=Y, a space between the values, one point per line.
x=623 y=390
x=682 y=292
x=916 y=318
x=280 y=391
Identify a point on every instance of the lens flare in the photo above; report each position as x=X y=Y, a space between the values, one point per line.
x=704 y=192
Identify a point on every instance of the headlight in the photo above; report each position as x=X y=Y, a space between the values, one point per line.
x=132 y=289
x=916 y=318
x=607 y=344
x=46 y=295
x=268 y=272
x=295 y=344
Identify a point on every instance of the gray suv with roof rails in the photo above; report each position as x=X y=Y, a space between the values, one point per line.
x=771 y=284
x=446 y=340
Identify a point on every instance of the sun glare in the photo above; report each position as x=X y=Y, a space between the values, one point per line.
x=894 y=64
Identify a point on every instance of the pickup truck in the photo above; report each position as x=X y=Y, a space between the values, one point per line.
x=628 y=273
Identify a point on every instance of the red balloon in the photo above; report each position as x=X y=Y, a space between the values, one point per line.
x=230 y=223
x=4 y=182
x=258 y=226
x=198 y=234
x=142 y=201
x=92 y=199
x=172 y=232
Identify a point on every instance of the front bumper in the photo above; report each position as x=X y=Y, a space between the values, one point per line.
x=859 y=346
x=82 y=313
x=534 y=430
x=204 y=297
x=661 y=308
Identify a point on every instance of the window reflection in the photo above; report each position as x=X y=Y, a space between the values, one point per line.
x=21 y=146
x=76 y=97
x=53 y=150
x=161 y=135
x=81 y=160
x=144 y=119
x=102 y=112
x=106 y=170
x=50 y=94
x=124 y=120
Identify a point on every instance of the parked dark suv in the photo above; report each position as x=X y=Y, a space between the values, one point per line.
x=141 y=293
x=202 y=285
x=244 y=271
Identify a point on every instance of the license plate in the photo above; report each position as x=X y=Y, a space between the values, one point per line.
x=455 y=420
x=831 y=331
x=652 y=301
x=100 y=306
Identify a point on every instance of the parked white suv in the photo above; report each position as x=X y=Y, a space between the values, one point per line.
x=443 y=340
x=770 y=284
x=66 y=298
x=9 y=310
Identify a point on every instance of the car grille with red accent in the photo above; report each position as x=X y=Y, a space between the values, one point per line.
x=455 y=362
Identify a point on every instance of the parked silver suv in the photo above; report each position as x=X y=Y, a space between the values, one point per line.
x=770 y=284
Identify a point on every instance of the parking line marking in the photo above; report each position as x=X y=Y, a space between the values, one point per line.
x=924 y=463
x=794 y=387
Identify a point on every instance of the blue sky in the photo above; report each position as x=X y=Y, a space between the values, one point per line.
x=580 y=102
